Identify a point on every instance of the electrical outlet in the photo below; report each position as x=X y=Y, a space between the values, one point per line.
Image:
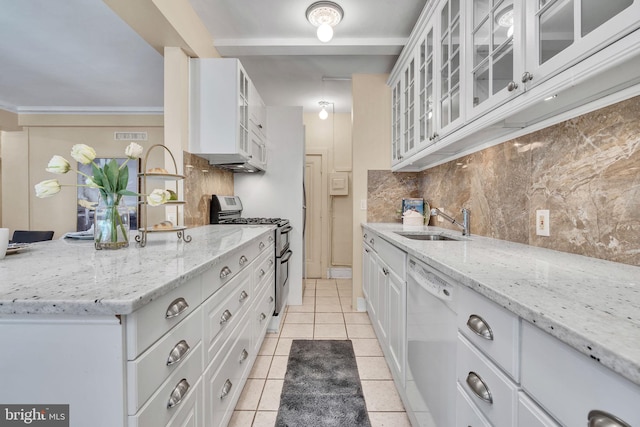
x=542 y=223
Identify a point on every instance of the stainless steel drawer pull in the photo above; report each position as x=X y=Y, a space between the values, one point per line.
x=371 y=241
x=226 y=388
x=243 y=355
x=243 y=296
x=365 y=236
x=225 y=272
x=225 y=317
x=478 y=387
x=271 y=238
x=178 y=393
x=599 y=418
x=178 y=352
x=262 y=316
x=481 y=328
x=385 y=271
x=261 y=246
x=176 y=308
x=270 y=300
x=262 y=273
x=243 y=260
x=270 y=263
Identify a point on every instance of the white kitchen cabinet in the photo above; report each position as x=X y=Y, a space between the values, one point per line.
x=495 y=53
x=570 y=385
x=409 y=108
x=504 y=66
x=397 y=321
x=257 y=128
x=560 y=33
x=219 y=104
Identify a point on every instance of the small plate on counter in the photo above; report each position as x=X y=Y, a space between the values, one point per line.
x=14 y=248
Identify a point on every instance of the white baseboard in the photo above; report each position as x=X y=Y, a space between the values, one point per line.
x=339 y=273
x=362 y=304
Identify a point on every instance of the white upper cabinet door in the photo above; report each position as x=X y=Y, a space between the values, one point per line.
x=450 y=63
x=561 y=33
x=426 y=89
x=396 y=122
x=243 y=112
x=409 y=108
x=495 y=47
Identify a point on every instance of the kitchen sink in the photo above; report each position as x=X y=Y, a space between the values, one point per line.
x=426 y=236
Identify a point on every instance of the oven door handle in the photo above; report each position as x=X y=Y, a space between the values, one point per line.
x=285 y=257
x=286 y=229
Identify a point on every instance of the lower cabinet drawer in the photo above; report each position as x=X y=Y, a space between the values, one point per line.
x=491 y=390
x=467 y=414
x=224 y=378
x=570 y=385
x=530 y=414
x=148 y=371
x=190 y=413
x=263 y=312
x=148 y=324
x=176 y=390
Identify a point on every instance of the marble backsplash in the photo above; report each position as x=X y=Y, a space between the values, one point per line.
x=201 y=181
x=585 y=171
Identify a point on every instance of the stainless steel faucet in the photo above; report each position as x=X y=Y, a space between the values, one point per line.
x=465 y=219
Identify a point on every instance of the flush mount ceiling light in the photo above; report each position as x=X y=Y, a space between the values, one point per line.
x=325 y=15
x=504 y=18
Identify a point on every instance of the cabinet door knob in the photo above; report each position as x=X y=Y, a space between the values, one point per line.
x=385 y=271
x=226 y=388
x=478 y=387
x=262 y=316
x=178 y=393
x=243 y=355
x=261 y=246
x=176 y=308
x=243 y=260
x=371 y=241
x=243 y=296
x=481 y=328
x=512 y=86
x=226 y=271
x=178 y=352
x=262 y=273
x=225 y=317
x=270 y=300
x=526 y=76
x=599 y=418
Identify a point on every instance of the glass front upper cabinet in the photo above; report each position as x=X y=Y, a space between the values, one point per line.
x=408 y=109
x=450 y=64
x=426 y=118
x=561 y=33
x=495 y=54
x=396 y=118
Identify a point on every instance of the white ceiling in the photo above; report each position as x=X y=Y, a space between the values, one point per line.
x=78 y=55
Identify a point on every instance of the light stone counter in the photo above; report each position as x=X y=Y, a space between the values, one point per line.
x=590 y=304
x=70 y=277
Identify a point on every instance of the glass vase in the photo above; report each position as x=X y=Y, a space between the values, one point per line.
x=111 y=226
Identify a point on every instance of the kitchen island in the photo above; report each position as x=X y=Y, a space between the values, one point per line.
x=137 y=336
x=588 y=305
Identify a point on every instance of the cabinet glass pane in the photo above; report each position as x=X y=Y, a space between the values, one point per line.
x=503 y=67
x=455 y=104
x=480 y=11
x=481 y=84
x=503 y=23
x=596 y=12
x=455 y=39
x=444 y=110
x=444 y=19
x=556 y=31
x=455 y=9
x=481 y=43
x=444 y=80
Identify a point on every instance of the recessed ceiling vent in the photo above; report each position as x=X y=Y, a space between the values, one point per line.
x=130 y=136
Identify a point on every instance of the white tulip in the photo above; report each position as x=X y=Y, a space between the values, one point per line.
x=47 y=188
x=59 y=165
x=133 y=151
x=91 y=183
x=87 y=204
x=83 y=153
x=158 y=197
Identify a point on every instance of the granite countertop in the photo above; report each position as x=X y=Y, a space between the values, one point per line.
x=70 y=277
x=590 y=304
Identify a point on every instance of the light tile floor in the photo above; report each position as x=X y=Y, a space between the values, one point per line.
x=326 y=313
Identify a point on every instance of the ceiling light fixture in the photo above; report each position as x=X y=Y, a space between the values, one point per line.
x=504 y=18
x=324 y=114
x=325 y=15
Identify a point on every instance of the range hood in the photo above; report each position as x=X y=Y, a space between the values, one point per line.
x=234 y=162
x=245 y=167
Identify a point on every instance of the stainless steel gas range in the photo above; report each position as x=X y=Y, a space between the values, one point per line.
x=228 y=210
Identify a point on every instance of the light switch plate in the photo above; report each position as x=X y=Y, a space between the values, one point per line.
x=542 y=222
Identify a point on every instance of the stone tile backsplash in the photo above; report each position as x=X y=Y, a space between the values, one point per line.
x=585 y=171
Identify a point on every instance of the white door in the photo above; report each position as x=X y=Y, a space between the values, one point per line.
x=313 y=229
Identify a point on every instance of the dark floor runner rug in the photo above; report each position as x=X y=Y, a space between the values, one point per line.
x=322 y=386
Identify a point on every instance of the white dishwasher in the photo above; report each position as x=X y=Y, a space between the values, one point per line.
x=431 y=345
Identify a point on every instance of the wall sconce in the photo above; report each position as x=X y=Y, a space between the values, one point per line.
x=325 y=15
